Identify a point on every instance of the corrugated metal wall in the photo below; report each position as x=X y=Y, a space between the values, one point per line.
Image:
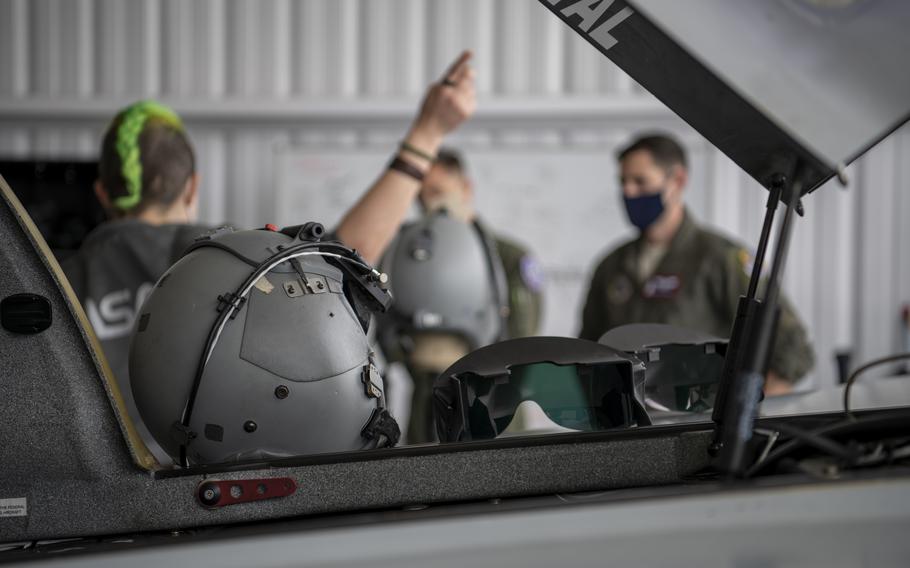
x=344 y=75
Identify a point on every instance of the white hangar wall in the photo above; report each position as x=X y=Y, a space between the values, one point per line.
x=294 y=106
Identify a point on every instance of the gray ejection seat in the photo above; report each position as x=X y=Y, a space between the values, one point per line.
x=62 y=368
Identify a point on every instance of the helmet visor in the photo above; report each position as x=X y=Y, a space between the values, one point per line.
x=576 y=397
x=685 y=378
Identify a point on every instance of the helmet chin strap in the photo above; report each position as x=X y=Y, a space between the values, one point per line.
x=381 y=426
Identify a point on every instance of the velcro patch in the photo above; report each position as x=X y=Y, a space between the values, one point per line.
x=662 y=286
x=746 y=260
x=531 y=273
x=619 y=290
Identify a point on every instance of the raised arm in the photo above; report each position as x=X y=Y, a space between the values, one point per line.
x=372 y=222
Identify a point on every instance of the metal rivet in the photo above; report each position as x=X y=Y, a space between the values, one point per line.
x=209 y=494
x=250 y=426
x=282 y=391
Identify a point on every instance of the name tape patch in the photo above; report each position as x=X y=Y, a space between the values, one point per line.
x=17 y=507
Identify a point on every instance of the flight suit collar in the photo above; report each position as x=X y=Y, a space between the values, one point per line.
x=684 y=236
x=482 y=227
x=682 y=240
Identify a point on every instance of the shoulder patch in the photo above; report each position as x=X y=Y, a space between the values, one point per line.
x=745 y=260
x=531 y=273
x=620 y=289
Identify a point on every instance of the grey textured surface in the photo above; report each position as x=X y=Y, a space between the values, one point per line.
x=130 y=501
x=62 y=449
x=57 y=418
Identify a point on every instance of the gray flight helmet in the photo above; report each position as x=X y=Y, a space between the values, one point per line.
x=253 y=346
x=446 y=277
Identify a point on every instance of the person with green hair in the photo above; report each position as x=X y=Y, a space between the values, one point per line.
x=149 y=185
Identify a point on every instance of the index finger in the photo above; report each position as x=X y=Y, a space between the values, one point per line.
x=456 y=70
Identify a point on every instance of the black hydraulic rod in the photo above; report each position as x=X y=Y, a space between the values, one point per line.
x=757 y=358
x=744 y=400
x=746 y=310
x=770 y=208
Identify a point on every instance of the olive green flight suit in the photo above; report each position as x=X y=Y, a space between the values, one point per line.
x=697 y=284
x=524 y=283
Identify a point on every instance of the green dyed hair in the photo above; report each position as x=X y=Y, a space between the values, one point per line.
x=146 y=157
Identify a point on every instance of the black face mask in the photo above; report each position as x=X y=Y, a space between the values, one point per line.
x=644 y=210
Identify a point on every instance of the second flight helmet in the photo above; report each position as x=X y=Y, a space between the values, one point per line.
x=446 y=277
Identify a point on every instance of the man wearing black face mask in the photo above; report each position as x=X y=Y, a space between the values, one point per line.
x=677 y=272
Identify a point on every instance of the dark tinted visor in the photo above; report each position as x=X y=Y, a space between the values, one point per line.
x=578 y=397
x=684 y=378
